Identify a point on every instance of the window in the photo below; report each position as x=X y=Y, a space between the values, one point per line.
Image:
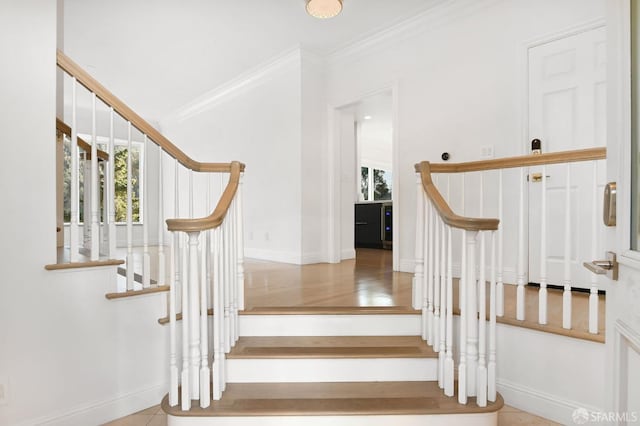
x=375 y=184
x=120 y=179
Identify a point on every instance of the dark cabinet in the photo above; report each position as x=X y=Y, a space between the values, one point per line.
x=373 y=227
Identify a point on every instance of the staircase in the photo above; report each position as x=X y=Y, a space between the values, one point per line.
x=332 y=365
x=432 y=363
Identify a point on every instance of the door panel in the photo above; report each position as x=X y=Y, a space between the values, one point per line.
x=567 y=110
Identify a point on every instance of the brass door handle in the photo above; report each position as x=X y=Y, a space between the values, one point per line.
x=607 y=267
x=536 y=177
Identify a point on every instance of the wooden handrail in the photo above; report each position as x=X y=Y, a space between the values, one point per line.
x=487 y=224
x=65 y=129
x=521 y=161
x=74 y=70
x=445 y=212
x=214 y=219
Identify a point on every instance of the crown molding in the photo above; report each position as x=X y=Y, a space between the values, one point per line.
x=245 y=81
x=442 y=13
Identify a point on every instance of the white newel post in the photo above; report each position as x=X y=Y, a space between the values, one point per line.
x=471 y=288
x=186 y=394
x=173 y=361
x=194 y=307
x=418 y=275
x=482 y=328
x=491 y=366
x=443 y=304
x=462 y=295
x=430 y=273
x=436 y=282
x=425 y=254
x=162 y=276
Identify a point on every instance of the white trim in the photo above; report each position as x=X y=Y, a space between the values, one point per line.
x=316 y=257
x=476 y=419
x=273 y=255
x=625 y=337
x=439 y=15
x=348 y=254
x=553 y=407
x=98 y=412
x=245 y=81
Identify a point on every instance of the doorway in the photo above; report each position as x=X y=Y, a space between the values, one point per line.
x=363 y=170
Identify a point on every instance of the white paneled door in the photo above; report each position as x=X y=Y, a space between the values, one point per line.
x=567 y=111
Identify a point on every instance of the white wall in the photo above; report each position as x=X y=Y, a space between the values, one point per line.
x=458 y=83
x=260 y=126
x=69 y=355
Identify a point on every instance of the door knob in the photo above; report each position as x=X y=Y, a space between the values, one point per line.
x=607 y=267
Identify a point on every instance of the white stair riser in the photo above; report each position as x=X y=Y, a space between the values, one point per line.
x=488 y=419
x=329 y=325
x=331 y=370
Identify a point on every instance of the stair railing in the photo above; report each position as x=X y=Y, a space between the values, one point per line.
x=450 y=246
x=204 y=269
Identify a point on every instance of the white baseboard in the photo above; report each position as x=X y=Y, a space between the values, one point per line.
x=348 y=254
x=552 y=407
x=273 y=255
x=310 y=258
x=99 y=412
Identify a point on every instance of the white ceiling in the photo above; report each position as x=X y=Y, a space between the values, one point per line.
x=158 y=55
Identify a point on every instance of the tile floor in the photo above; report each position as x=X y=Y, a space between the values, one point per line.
x=508 y=416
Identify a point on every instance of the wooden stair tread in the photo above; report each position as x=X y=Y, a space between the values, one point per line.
x=332 y=347
x=346 y=398
x=330 y=310
x=131 y=293
x=83 y=264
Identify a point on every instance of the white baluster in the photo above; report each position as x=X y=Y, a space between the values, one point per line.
x=481 y=379
x=462 y=295
x=130 y=271
x=436 y=281
x=146 y=258
x=240 y=246
x=472 y=314
x=448 y=361
x=205 y=371
x=218 y=320
x=194 y=307
x=186 y=319
x=173 y=367
x=593 y=294
x=161 y=257
x=86 y=203
x=443 y=304
x=425 y=256
x=226 y=275
x=94 y=178
x=430 y=274
x=520 y=273
x=566 y=295
x=542 y=294
x=110 y=184
x=104 y=236
x=75 y=179
x=491 y=367
x=500 y=271
x=236 y=281
x=418 y=275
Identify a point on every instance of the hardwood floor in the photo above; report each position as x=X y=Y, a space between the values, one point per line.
x=367 y=280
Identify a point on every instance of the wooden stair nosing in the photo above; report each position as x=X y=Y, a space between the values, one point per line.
x=131 y=293
x=306 y=347
x=83 y=264
x=330 y=399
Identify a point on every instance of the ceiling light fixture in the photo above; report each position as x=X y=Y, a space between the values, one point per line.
x=324 y=9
